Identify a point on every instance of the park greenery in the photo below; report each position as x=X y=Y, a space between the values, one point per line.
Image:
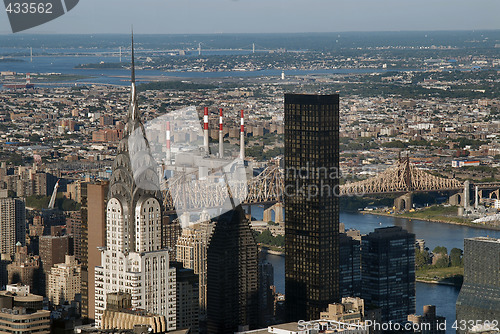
x=62 y=203
x=260 y=154
x=437 y=213
x=447 y=268
x=266 y=238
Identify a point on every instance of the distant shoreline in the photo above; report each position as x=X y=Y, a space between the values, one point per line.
x=472 y=225
x=272 y=252
x=437 y=282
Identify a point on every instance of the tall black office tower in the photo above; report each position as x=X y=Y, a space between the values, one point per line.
x=388 y=272
x=232 y=275
x=311 y=204
x=479 y=300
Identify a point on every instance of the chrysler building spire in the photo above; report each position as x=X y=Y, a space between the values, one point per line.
x=134 y=108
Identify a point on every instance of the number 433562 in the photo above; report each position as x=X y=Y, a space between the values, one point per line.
x=29 y=8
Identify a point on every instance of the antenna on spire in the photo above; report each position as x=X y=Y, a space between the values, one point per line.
x=134 y=114
x=133 y=58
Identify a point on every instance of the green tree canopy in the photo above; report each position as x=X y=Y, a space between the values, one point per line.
x=440 y=250
x=456 y=257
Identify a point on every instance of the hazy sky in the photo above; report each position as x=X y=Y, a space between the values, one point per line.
x=261 y=16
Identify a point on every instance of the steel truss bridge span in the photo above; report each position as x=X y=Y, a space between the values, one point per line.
x=268 y=186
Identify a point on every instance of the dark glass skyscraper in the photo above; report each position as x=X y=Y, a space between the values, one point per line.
x=388 y=272
x=479 y=298
x=311 y=204
x=232 y=274
x=350 y=266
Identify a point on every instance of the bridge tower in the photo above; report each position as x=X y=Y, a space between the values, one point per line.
x=476 y=197
x=456 y=199
x=466 y=197
x=404 y=202
x=278 y=209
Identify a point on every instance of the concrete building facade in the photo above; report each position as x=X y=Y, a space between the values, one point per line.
x=93 y=237
x=64 y=281
x=12 y=224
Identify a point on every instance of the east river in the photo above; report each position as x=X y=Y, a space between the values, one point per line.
x=434 y=234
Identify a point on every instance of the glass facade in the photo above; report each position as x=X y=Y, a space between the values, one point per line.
x=479 y=298
x=388 y=272
x=311 y=204
x=350 y=266
x=232 y=274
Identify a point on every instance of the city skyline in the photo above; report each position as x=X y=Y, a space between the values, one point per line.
x=383 y=124
x=278 y=16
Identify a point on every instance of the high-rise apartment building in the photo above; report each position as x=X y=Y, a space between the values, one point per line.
x=479 y=298
x=388 y=272
x=185 y=247
x=191 y=251
x=74 y=228
x=52 y=250
x=311 y=204
x=133 y=260
x=93 y=236
x=43 y=183
x=64 y=281
x=232 y=274
x=12 y=224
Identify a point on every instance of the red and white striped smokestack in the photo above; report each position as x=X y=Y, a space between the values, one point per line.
x=242 y=137
x=221 y=135
x=28 y=78
x=205 y=130
x=169 y=152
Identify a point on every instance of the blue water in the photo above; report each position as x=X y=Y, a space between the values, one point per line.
x=443 y=296
x=434 y=234
x=65 y=65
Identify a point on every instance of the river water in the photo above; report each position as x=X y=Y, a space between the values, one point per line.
x=434 y=234
x=65 y=64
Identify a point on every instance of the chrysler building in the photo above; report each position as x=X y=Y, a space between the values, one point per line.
x=133 y=260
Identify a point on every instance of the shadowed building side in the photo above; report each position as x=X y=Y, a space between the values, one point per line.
x=232 y=274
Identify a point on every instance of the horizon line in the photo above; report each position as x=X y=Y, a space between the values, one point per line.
x=251 y=33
